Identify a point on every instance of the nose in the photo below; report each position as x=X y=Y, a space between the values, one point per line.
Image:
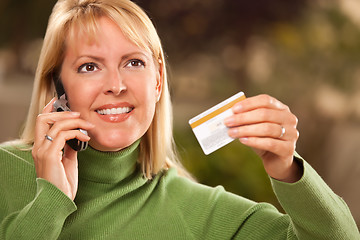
x=114 y=84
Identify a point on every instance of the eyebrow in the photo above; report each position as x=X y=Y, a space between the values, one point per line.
x=124 y=57
x=99 y=59
x=129 y=55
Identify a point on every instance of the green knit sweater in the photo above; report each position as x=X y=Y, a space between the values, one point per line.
x=114 y=201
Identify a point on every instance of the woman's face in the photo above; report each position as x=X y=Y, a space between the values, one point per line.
x=113 y=84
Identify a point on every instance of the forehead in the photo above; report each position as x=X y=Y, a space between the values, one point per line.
x=94 y=30
x=106 y=42
x=95 y=34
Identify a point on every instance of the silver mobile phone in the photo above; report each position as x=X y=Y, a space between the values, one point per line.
x=61 y=105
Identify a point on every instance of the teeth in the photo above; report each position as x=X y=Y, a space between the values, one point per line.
x=114 y=111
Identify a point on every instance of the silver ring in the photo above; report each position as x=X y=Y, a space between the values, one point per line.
x=49 y=138
x=282 y=132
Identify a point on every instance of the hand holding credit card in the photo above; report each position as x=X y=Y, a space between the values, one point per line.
x=209 y=127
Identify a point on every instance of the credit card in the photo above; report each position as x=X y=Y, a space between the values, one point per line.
x=209 y=127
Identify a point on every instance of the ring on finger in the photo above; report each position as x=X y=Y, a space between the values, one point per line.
x=283 y=130
x=49 y=138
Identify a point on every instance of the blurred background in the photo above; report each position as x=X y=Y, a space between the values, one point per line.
x=304 y=53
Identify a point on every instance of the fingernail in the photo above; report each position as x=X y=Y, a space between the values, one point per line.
x=243 y=140
x=75 y=113
x=279 y=105
x=232 y=132
x=229 y=121
x=237 y=108
x=49 y=103
x=88 y=138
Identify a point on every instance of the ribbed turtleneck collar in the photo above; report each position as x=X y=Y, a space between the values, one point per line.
x=108 y=167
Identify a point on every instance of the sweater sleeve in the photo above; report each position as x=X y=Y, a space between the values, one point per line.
x=42 y=218
x=315 y=211
x=312 y=209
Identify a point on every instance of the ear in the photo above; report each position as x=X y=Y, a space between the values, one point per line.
x=159 y=80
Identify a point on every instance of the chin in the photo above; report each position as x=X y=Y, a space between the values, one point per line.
x=112 y=143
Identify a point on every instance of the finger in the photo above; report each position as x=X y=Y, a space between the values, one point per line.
x=268 y=130
x=69 y=124
x=288 y=133
x=260 y=101
x=49 y=107
x=52 y=148
x=53 y=117
x=66 y=125
x=44 y=122
x=38 y=132
x=272 y=145
x=60 y=140
x=257 y=116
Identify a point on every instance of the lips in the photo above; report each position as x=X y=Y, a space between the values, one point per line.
x=115 y=112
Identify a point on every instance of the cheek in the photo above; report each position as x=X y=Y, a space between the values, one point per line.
x=148 y=99
x=81 y=96
x=145 y=94
x=147 y=89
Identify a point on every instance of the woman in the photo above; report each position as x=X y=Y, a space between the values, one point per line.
x=128 y=185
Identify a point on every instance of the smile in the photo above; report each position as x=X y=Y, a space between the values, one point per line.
x=114 y=111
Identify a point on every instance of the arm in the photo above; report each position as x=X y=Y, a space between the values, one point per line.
x=42 y=218
x=268 y=126
x=54 y=160
x=316 y=211
x=312 y=209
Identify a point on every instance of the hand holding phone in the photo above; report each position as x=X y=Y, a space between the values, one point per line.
x=60 y=105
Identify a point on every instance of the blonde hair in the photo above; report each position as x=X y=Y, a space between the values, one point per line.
x=157 y=150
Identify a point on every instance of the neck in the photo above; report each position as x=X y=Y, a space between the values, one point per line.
x=108 y=167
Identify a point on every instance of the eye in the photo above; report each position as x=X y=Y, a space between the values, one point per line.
x=137 y=63
x=88 y=67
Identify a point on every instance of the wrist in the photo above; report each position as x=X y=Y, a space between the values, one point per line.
x=294 y=173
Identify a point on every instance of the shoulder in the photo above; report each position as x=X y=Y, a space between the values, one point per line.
x=15 y=151
x=179 y=184
x=187 y=190
x=212 y=211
